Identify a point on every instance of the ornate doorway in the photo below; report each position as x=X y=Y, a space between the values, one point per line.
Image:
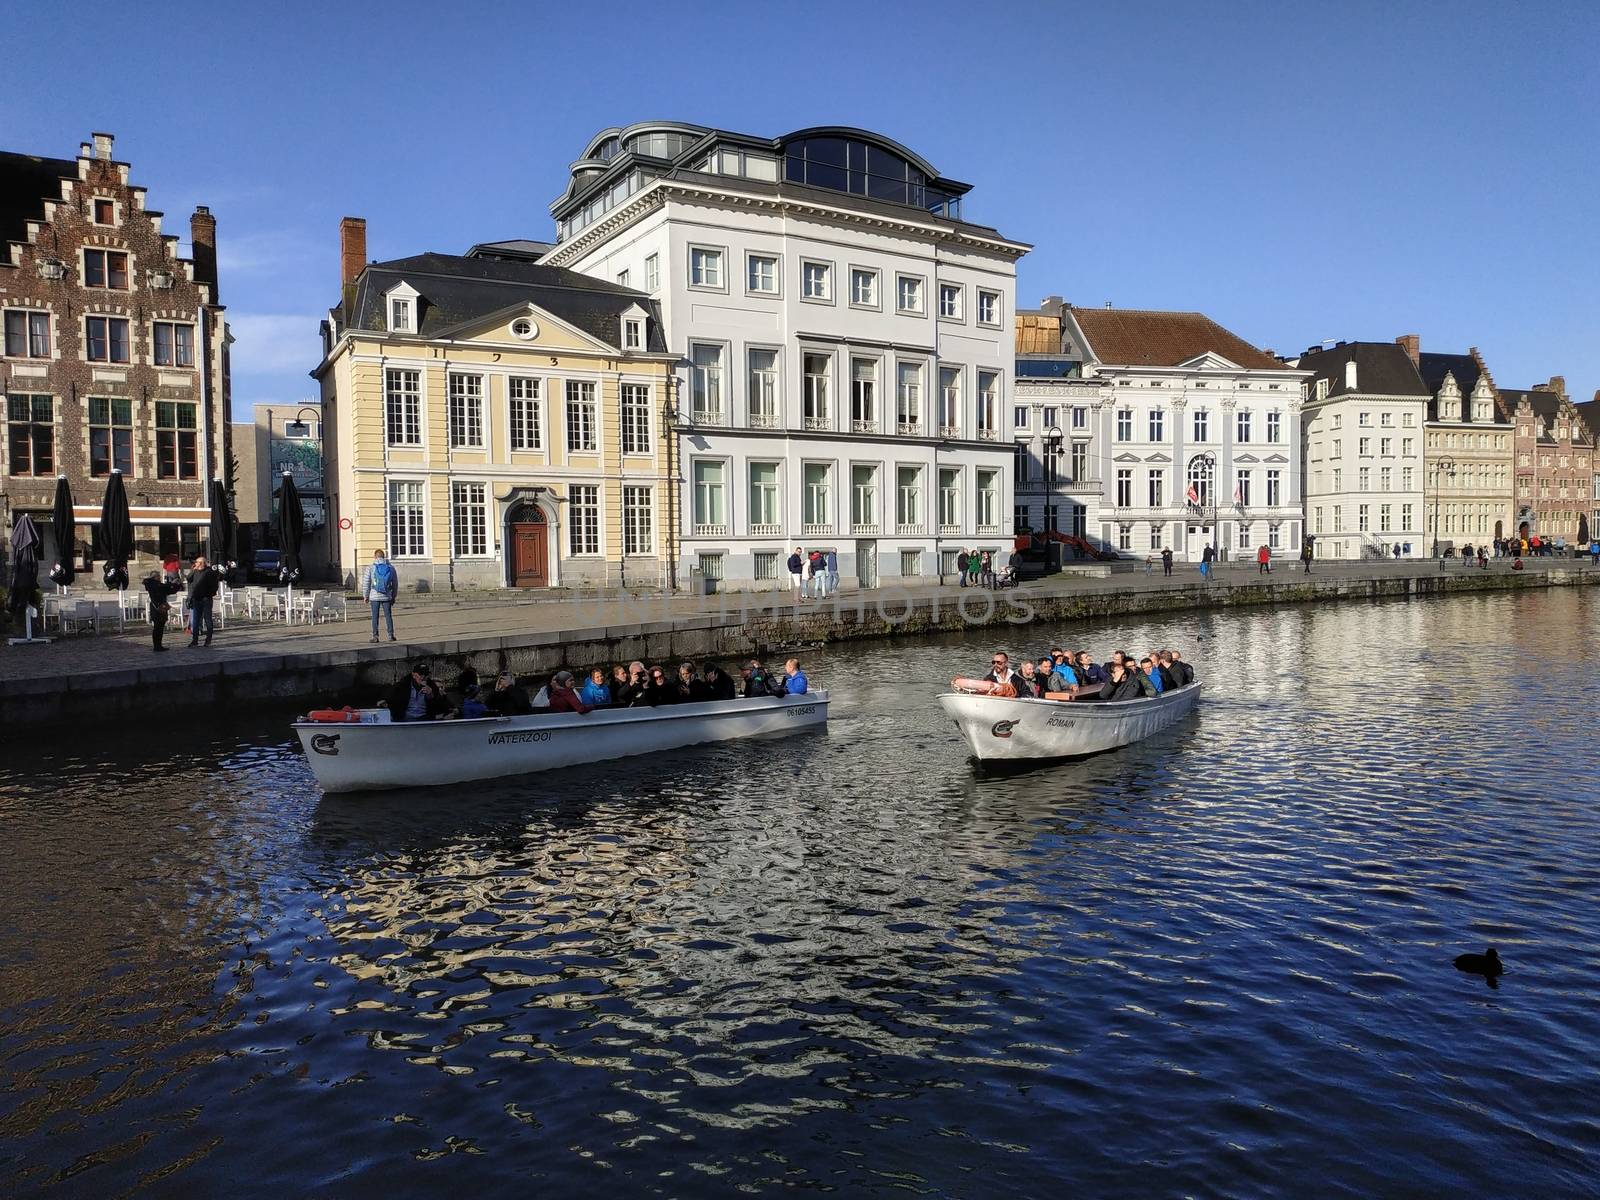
x=530 y=549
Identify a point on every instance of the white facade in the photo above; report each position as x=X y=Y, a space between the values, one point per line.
x=846 y=374
x=1364 y=477
x=1055 y=432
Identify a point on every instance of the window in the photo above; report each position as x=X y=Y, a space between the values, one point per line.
x=105 y=269
x=765 y=565
x=527 y=429
x=632 y=333
x=469 y=519
x=816 y=371
x=399 y=314
x=863 y=287
x=910 y=563
x=1022 y=467
x=466 y=411
x=652 y=273
x=1052 y=417
x=815 y=502
x=1386 y=419
x=1158 y=425
x=635 y=418
x=1124 y=424
x=1338 y=420
x=763 y=388
x=402 y=407
x=949 y=498
x=710 y=497
x=1274 y=426
x=1338 y=518
x=407 y=517
x=1405 y=517
x=30 y=435
x=1405 y=479
x=988 y=406
x=1201 y=423
x=1385 y=479
x=1080 y=418
x=949 y=401
x=1383 y=518
x=908 y=398
x=764 y=496
x=110 y=436
x=1385 y=446
x=950 y=301
x=27 y=334
x=108 y=339
x=864 y=395
x=582 y=417
x=761 y=274
x=638 y=520
x=705 y=268
x=1408 y=420
x=174 y=344
x=864 y=498
x=1158 y=481
x=1242 y=424
x=1364 y=447
x=1364 y=479
x=988 y=307
x=1124 y=537
x=1052 y=460
x=1199 y=493
x=1157 y=536
x=583 y=518
x=1338 y=447
x=1363 y=521
x=1080 y=462
x=988 y=500
x=908 y=294
x=105 y=211
x=908 y=499
x=705 y=383
x=176 y=448
x=1274 y=536
x=1364 y=419
x=1020 y=416
x=816 y=281
x=1408 y=446
x=1124 y=487
x=623 y=277
x=1275 y=487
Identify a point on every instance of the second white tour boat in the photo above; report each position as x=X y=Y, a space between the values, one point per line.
x=358 y=756
x=1016 y=729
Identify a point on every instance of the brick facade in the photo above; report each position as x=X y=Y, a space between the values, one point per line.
x=87 y=205
x=1554 y=451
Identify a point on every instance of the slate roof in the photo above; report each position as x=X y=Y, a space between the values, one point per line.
x=1546 y=407
x=514 y=248
x=1131 y=337
x=1589 y=410
x=1382 y=369
x=454 y=289
x=26 y=182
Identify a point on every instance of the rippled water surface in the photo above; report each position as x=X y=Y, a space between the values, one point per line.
x=1218 y=964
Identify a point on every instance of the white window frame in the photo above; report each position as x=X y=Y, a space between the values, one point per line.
x=829 y=404
x=634 y=411
x=460 y=410
x=959 y=292
x=756 y=417
x=638 y=520
x=826 y=268
x=774 y=497
x=577 y=520
x=750 y=259
x=721 y=487
x=994 y=320
x=950 y=402
x=875 y=303
x=652 y=272
x=721 y=253
x=830 y=501
x=920 y=309
x=700 y=380
x=910 y=397
x=865 y=497
x=400 y=547
x=950 y=518
x=872 y=422
x=531 y=406
x=574 y=403
x=456 y=510
x=417 y=399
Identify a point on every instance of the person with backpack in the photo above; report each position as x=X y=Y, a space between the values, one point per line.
x=379 y=586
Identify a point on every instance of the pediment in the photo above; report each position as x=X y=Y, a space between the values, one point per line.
x=1209 y=361
x=1275 y=458
x=1245 y=458
x=1158 y=458
x=1127 y=457
x=543 y=330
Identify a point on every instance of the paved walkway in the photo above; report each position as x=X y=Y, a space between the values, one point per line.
x=500 y=615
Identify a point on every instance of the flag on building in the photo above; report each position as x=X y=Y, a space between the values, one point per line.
x=1238 y=496
x=1192 y=496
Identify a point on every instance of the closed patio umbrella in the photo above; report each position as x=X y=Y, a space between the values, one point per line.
x=116 y=533
x=291 y=531
x=24 y=579
x=223 y=527
x=65 y=526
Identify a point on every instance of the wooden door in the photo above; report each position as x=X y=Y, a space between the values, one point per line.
x=529 y=555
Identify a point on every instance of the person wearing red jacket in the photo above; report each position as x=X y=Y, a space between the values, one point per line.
x=562 y=696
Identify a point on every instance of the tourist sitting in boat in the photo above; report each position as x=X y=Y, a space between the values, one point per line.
x=1062 y=677
x=1121 y=685
x=563 y=698
x=472 y=704
x=619 y=686
x=418 y=697
x=506 y=699
x=1182 y=672
x=1028 y=680
x=1169 y=677
x=1001 y=672
x=758 y=683
x=795 y=683
x=1090 y=671
x=657 y=691
x=718 y=683
x=596 y=692
x=1150 y=681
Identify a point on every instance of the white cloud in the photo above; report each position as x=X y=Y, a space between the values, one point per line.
x=264 y=343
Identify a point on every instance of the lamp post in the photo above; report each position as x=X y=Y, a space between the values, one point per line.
x=1210 y=476
x=1441 y=467
x=1052 y=459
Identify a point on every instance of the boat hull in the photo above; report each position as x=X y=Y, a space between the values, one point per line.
x=999 y=730
x=357 y=757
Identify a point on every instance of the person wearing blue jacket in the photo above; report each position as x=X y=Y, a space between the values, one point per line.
x=595 y=692
x=795 y=678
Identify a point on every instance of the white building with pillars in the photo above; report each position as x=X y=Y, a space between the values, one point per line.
x=1187 y=409
x=846 y=342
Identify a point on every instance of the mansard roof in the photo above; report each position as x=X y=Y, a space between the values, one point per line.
x=1382 y=369
x=1143 y=338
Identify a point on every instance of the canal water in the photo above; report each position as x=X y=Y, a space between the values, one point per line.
x=1217 y=964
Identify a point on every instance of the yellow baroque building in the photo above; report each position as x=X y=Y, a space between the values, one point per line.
x=493 y=423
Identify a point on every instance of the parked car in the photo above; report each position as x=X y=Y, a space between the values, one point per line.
x=264 y=566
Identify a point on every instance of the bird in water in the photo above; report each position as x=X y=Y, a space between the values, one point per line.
x=1486 y=964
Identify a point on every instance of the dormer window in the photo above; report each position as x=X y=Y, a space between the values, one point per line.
x=633 y=328
x=401 y=308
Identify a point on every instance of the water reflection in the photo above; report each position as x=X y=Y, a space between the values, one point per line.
x=847 y=960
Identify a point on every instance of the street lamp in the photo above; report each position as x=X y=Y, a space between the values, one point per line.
x=1441 y=467
x=1052 y=461
x=1210 y=477
x=298 y=428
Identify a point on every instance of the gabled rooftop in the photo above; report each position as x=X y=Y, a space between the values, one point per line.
x=1132 y=337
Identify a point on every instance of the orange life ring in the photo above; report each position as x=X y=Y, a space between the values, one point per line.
x=345 y=715
x=984 y=687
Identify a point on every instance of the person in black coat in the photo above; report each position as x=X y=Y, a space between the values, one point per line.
x=657 y=691
x=1122 y=685
x=1181 y=671
x=718 y=683
x=418 y=697
x=507 y=699
x=160 y=587
x=203 y=586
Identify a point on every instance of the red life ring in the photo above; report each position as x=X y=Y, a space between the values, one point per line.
x=983 y=687
x=343 y=716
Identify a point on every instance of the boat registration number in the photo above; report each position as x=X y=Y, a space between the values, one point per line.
x=522 y=735
x=805 y=710
x=1062 y=722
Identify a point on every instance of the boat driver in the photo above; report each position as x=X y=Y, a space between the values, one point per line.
x=1002 y=673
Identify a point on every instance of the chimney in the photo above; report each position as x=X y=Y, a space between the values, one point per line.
x=1413 y=347
x=1350 y=375
x=1557 y=384
x=352 y=249
x=203 y=234
x=102 y=145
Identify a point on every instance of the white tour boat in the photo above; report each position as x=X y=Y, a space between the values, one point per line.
x=368 y=752
x=1015 y=729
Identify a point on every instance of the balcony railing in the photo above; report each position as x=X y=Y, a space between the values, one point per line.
x=822 y=530
x=909 y=428
x=710 y=531
x=949 y=530
x=988 y=529
x=988 y=435
x=949 y=431
x=911 y=529
x=864 y=528
x=858 y=426
x=766 y=530
x=818 y=423
x=763 y=420
x=708 y=417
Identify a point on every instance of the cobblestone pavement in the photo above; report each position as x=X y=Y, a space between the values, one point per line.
x=435 y=619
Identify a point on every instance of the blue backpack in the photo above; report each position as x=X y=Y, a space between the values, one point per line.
x=383 y=578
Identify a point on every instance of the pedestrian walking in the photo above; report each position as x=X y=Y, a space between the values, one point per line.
x=380 y=584
x=1264 y=560
x=1207 y=557
x=833 y=570
x=159 y=587
x=974 y=566
x=1305 y=556
x=1166 y=560
x=203 y=585
x=797 y=579
x=988 y=570
x=961 y=567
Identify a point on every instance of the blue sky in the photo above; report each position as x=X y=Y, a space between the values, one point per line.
x=1296 y=172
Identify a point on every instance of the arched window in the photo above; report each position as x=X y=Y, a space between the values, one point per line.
x=1200 y=475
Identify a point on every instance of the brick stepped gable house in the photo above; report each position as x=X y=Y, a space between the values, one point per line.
x=1589 y=414
x=1467 y=450
x=114 y=353
x=491 y=422
x=1176 y=387
x=1366 y=407
x=1055 y=423
x=1555 y=455
x=846 y=338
